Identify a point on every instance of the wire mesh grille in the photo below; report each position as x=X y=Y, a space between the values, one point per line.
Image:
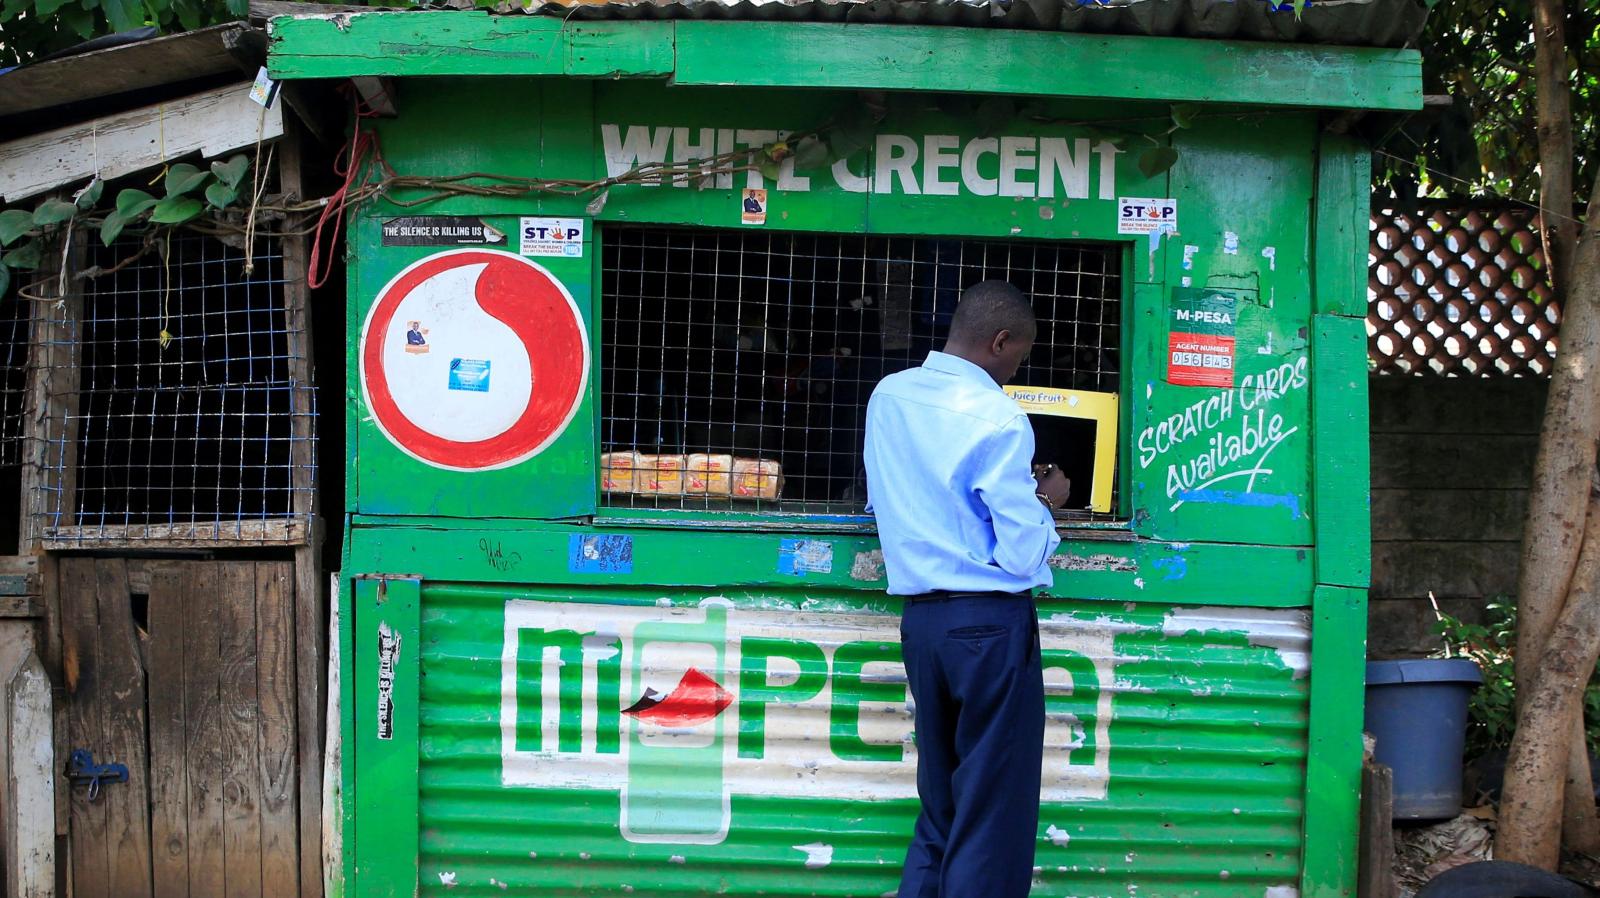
x=16 y=329
x=182 y=414
x=1459 y=291
x=737 y=364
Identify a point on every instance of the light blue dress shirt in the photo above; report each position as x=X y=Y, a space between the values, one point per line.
x=949 y=460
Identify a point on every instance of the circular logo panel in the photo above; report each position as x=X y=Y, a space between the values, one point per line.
x=473 y=360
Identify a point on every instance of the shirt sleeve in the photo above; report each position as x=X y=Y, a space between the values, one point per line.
x=1024 y=531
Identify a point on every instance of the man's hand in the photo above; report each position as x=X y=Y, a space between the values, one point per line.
x=1053 y=484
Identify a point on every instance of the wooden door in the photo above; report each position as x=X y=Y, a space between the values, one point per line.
x=183 y=671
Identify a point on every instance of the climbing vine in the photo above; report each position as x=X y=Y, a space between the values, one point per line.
x=217 y=200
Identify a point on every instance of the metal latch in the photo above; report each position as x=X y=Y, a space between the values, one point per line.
x=83 y=771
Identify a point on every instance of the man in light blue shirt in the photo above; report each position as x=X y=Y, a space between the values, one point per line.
x=966 y=526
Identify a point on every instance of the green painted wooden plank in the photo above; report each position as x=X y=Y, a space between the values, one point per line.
x=1333 y=763
x=906 y=57
x=464 y=43
x=1085 y=568
x=617 y=49
x=1340 y=464
x=388 y=649
x=1344 y=190
x=900 y=57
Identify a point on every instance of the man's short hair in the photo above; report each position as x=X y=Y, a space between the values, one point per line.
x=989 y=307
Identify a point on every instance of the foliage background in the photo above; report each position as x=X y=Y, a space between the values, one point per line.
x=1480 y=53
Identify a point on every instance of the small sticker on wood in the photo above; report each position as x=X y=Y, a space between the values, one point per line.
x=600 y=553
x=753 y=206
x=1146 y=215
x=798 y=557
x=388 y=657
x=441 y=230
x=1200 y=343
x=471 y=375
x=552 y=237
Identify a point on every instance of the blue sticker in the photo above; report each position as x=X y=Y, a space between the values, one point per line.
x=469 y=374
x=798 y=557
x=600 y=553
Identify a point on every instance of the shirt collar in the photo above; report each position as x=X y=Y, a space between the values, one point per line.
x=946 y=363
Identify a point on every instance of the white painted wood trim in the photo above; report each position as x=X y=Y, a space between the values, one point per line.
x=213 y=122
x=31 y=786
x=332 y=763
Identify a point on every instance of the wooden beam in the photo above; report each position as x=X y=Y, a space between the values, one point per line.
x=269 y=532
x=349 y=45
x=27 y=767
x=212 y=122
x=1375 y=866
x=309 y=610
x=141 y=66
x=847 y=56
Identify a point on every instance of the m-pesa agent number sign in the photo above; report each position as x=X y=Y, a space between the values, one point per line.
x=1200 y=337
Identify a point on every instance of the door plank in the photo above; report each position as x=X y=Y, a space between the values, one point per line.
x=275 y=686
x=169 y=773
x=202 y=678
x=80 y=636
x=123 y=706
x=241 y=760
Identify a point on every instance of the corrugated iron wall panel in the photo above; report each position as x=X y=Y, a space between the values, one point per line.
x=632 y=742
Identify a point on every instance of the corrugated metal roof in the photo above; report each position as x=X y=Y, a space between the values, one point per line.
x=1366 y=23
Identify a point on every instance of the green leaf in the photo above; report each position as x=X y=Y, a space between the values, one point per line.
x=769 y=168
x=1183 y=114
x=111 y=228
x=133 y=202
x=220 y=195
x=1156 y=160
x=52 y=212
x=42 y=8
x=232 y=171
x=91 y=194
x=176 y=210
x=5 y=279
x=239 y=8
x=26 y=257
x=13 y=224
x=123 y=15
x=809 y=153
x=183 y=177
x=995 y=113
x=80 y=20
x=853 y=132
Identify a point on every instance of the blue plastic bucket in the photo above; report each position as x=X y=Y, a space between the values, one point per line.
x=1417 y=710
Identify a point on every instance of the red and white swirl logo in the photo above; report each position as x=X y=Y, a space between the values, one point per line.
x=473 y=359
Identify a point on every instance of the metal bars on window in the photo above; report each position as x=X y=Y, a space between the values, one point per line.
x=737 y=364
x=175 y=413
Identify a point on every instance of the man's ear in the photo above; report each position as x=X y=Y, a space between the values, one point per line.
x=998 y=344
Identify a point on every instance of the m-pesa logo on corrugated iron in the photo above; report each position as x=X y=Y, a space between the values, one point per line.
x=681 y=708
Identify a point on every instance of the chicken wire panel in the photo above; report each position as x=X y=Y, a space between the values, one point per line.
x=1459 y=291
x=744 y=347
x=16 y=329
x=182 y=423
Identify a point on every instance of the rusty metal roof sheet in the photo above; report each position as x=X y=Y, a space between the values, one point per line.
x=1368 y=23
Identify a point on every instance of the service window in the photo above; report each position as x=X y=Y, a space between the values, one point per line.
x=737 y=364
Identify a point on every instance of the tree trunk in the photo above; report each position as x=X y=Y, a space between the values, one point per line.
x=1530 y=806
x=1553 y=106
x=1554 y=528
x=1531 y=810
x=1580 y=826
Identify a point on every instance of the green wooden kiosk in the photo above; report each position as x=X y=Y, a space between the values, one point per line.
x=613 y=617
